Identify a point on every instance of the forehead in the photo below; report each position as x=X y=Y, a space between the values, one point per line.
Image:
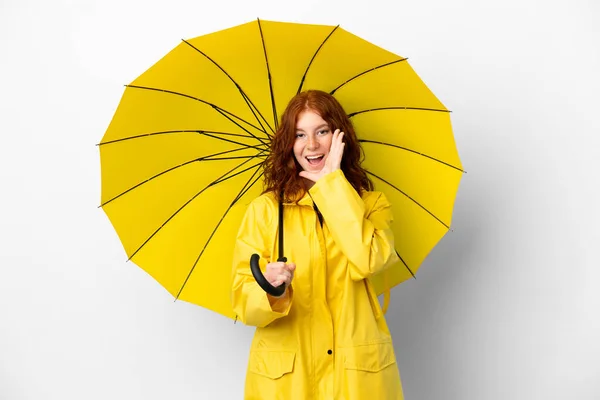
x=308 y=120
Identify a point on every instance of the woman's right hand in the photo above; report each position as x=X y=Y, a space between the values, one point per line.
x=279 y=272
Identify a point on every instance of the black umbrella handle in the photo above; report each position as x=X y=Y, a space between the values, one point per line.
x=262 y=281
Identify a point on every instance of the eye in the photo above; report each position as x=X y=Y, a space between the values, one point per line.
x=299 y=135
x=323 y=132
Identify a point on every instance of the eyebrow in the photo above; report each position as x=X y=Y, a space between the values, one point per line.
x=325 y=125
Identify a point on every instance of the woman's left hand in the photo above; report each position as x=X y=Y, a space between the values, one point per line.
x=333 y=159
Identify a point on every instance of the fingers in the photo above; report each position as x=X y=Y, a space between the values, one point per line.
x=278 y=273
x=285 y=279
x=282 y=279
x=334 y=158
x=338 y=139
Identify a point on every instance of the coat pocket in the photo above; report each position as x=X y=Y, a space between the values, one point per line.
x=272 y=364
x=371 y=357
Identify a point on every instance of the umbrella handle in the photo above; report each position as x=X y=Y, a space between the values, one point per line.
x=262 y=281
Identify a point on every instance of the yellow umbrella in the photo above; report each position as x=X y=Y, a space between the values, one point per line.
x=182 y=156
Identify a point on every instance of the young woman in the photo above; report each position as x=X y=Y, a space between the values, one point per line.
x=326 y=336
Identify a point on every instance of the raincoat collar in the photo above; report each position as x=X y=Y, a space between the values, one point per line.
x=306 y=200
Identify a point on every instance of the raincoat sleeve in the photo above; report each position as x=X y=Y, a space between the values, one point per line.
x=362 y=233
x=252 y=305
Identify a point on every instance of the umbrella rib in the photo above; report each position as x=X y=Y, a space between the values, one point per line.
x=406 y=265
x=239 y=195
x=366 y=72
x=252 y=108
x=313 y=57
x=222 y=111
x=410 y=198
x=262 y=38
x=239 y=88
x=229 y=158
x=246 y=188
x=397 y=108
x=246 y=146
x=412 y=151
x=192 y=199
x=225 y=177
x=205 y=158
x=199 y=131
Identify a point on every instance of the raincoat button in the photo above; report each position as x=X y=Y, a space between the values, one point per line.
x=329 y=351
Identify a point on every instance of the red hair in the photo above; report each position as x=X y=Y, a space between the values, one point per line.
x=281 y=168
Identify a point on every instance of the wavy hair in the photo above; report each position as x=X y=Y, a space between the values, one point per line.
x=281 y=168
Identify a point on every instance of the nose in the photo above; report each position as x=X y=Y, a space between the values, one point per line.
x=313 y=143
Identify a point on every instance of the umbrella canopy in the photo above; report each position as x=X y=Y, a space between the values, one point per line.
x=182 y=156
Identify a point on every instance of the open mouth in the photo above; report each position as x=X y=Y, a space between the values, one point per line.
x=313 y=160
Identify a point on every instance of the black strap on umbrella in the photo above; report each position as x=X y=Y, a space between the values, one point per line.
x=255 y=268
x=281 y=256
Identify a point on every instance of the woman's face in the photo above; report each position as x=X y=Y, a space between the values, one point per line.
x=313 y=140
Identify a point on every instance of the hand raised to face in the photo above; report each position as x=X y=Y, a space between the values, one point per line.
x=333 y=159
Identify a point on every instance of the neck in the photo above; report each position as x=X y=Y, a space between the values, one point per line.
x=308 y=183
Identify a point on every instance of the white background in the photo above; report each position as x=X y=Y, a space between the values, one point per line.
x=507 y=306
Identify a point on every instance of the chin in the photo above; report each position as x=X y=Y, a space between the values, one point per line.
x=315 y=170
